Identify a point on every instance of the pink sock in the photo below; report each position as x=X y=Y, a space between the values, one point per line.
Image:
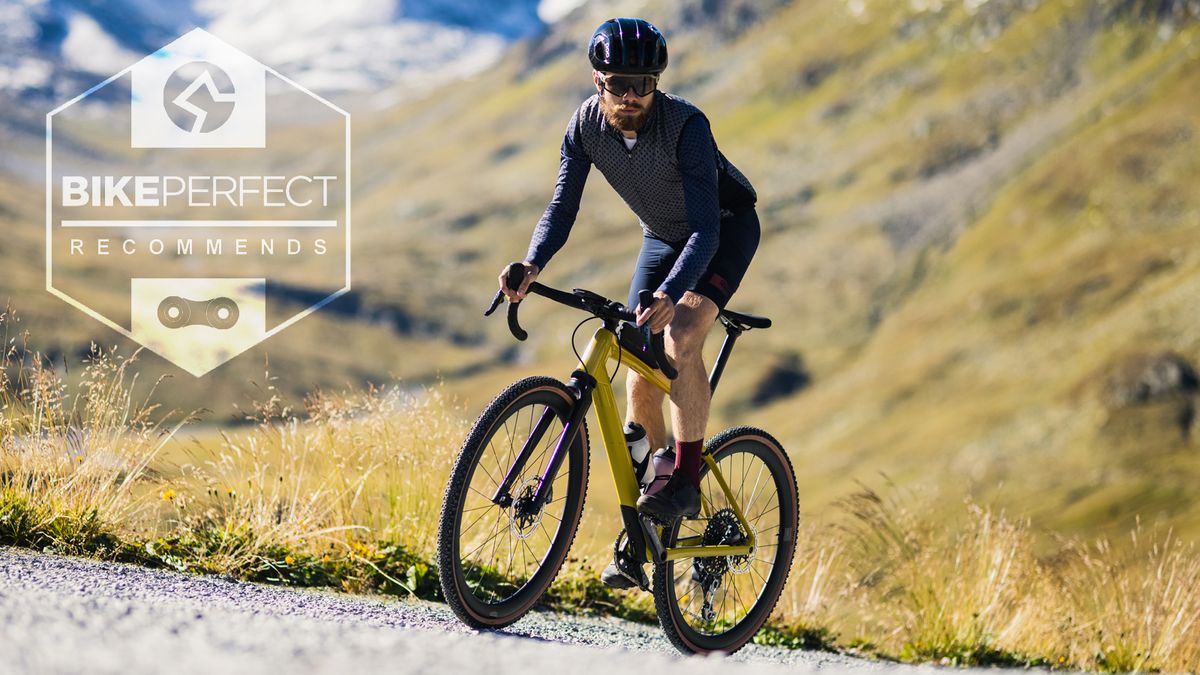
x=687 y=459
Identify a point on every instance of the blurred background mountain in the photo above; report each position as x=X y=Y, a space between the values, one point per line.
x=980 y=220
x=53 y=47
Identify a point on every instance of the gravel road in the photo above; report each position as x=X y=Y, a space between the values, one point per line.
x=70 y=615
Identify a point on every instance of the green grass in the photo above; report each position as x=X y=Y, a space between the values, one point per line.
x=34 y=526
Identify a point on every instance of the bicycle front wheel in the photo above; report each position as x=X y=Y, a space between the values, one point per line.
x=496 y=560
x=718 y=604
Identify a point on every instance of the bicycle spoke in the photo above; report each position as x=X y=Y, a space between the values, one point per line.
x=473 y=524
x=759 y=517
x=746 y=506
x=495 y=533
x=511 y=455
x=495 y=453
x=679 y=577
x=494 y=558
x=742 y=483
x=724 y=600
x=692 y=596
x=536 y=558
x=508 y=455
x=760 y=576
x=487 y=497
x=512 y=552
x=511 y=437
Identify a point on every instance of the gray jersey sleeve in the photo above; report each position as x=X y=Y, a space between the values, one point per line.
x=698 y=169
x=555 y=225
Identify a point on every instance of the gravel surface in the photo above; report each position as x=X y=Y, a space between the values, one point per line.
x=70 y=615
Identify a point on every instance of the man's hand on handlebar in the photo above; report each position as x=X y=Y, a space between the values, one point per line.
x=531 y=272
x=659 y=314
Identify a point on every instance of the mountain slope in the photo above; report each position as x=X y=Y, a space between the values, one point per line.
x=976 y=217
x=980 y=227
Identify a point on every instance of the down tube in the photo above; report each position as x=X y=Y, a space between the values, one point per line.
x=595 y=361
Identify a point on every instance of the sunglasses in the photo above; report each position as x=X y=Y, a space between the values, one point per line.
x=617 y=85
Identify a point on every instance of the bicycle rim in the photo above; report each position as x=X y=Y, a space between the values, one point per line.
x=501 y=559
x=718 y=604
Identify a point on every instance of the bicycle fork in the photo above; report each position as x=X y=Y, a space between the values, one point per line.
x=581 y=385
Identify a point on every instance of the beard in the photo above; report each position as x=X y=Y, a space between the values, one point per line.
x=624 y=121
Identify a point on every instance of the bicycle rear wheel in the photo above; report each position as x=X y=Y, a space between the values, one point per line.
x=718 y=604
x=496 y=561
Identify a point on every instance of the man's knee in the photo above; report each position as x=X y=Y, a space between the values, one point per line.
x=694 y=316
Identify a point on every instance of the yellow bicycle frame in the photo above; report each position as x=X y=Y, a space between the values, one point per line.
x=603 y=348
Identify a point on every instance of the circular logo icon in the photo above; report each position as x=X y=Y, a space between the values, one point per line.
x=199 y=97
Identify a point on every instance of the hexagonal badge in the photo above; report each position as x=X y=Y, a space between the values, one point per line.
x=197 y=215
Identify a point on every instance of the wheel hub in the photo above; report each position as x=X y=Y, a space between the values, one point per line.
x=525 y=514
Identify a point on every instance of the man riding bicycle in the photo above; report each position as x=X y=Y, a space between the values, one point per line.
x=699 y=229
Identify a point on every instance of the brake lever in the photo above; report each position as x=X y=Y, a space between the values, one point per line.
x=645 y=299
x=495 y=303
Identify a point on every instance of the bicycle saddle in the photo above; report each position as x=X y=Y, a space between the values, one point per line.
x=744 y=321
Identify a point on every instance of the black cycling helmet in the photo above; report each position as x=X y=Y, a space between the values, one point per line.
x=628 y=46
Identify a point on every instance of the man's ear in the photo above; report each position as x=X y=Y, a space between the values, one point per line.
x=596 y=81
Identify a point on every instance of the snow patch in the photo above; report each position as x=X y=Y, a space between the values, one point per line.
x=550 y=11
x=51 y=47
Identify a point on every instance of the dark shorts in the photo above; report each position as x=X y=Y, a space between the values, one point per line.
x=739 y=241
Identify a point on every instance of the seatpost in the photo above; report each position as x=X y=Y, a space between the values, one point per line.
x=732 y=333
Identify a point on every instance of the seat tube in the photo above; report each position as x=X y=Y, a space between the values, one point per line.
x=731 y=336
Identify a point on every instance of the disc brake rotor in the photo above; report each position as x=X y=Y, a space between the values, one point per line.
x=525 y=514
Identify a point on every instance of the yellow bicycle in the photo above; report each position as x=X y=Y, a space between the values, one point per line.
x=517 y=490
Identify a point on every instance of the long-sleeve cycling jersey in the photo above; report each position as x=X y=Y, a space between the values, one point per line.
x=674 y=179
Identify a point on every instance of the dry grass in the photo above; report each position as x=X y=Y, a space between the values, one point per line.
x=888 y=576
x=1134 y=608
x=350 y=471
x=77 y=455
x=345 y=493
x=354 y=468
